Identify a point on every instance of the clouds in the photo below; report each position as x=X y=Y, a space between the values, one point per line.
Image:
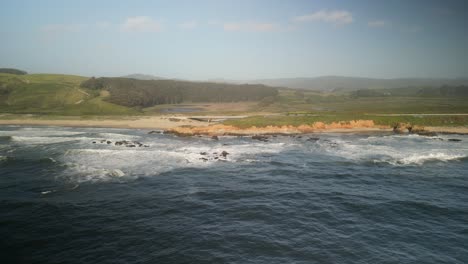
x=335 y=17
x=141 y=24
x=251 y=26
x=147 y=24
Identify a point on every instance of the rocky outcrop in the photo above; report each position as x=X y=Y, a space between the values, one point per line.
x=271 y=130
x=402 y=128
x=214 y=156
x=124 y=143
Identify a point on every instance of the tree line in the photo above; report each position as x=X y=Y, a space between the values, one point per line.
x=146 y=93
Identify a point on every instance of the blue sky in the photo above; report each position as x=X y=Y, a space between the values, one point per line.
x=237 y=39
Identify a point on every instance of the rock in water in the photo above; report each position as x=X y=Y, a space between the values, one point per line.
x=117 y=173
x=260 y=137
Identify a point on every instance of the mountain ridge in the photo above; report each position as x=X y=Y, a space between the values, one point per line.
x=330 y=83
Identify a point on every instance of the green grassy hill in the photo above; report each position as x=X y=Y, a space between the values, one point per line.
x=53 y=94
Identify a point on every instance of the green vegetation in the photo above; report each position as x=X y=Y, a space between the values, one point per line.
x=288 y=101
x=442 y=91
x=305 y=107
x=263 y=121
x=147 y=93
x=12 y=71
x=53 y=94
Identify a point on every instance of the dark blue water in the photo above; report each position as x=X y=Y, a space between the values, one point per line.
x=339 y=199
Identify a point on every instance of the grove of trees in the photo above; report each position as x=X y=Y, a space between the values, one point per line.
x=145 y=93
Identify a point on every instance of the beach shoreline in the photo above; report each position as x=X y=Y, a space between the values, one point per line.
x=184 y=126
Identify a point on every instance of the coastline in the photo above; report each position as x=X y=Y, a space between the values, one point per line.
x=156 y=122
x=183 y=126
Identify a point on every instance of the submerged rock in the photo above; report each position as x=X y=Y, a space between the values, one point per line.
x=130 y=144
x=454 y=140
x=260 y=138
x=215 y=137
x=214 y=156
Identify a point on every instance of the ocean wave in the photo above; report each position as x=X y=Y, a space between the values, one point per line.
x=80 y=173
x=99 y=164
x=391 y=150
x=45 y=140
x=117 y=136
x=39 y=132
x=419 y=159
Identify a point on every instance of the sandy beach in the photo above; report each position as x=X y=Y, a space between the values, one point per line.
x=154 y=122
x=183 y=125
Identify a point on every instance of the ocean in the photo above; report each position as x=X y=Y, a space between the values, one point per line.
x=100 y=195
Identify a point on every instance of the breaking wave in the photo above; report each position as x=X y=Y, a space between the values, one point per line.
x=45 y=140
x=422 y=158
x=395 y=150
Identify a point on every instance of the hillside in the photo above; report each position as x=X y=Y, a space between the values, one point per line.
x=147 y=93
x=52 y=94
x=55 y=94
x=12 y=71
x=340 y=83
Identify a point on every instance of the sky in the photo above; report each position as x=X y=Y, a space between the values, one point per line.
x=238 y=40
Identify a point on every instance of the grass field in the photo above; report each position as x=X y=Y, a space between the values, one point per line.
x=263 y=121
x=312 y=102
x=296 y=108
x=53 y=95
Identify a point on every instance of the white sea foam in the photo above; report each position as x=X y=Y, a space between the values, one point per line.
x=45 y=140
x=117 y=136
x=392 y=150
x=38 y=132
x=422 y=158
x=114 y=162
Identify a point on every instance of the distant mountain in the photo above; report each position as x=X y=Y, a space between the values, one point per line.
x=340 y=83
x=139 y=76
